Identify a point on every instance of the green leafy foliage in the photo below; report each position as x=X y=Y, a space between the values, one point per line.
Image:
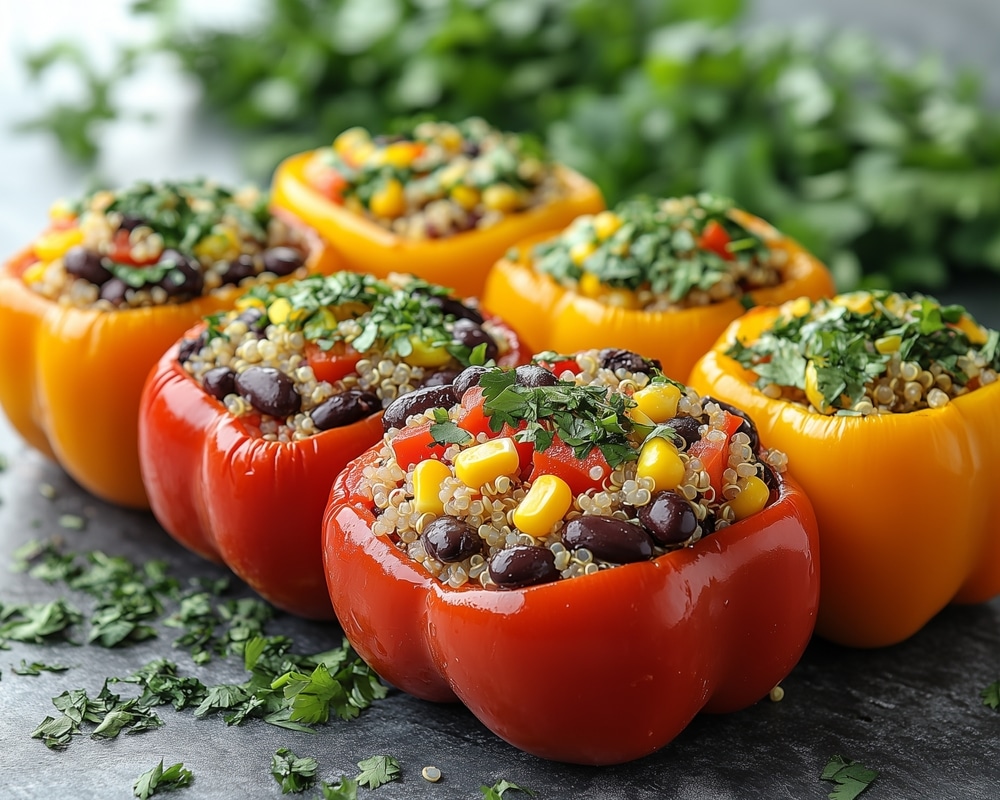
x=497 y=790
x=160 y=779
x=883 y=166
x=991 y=695
x=37 y=668
x=377 y=771
x=292 y=773
x=851 y=778
x=345 y=789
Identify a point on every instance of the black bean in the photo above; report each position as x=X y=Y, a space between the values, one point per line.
x=282 y=260
x=615 y=359
x=470 y=334
x=443 y=377
x=747 y=426
x=686 y=427
x=471 y=149
x=269 y=390
x=609 y=539
x=242 y=267
x=468 y=378
x=417 y=402
x=344 y=408
x=456 y=308
x=451 y=540
x=130 y=222
x=114 y=291
x=770 y=478
x=255 y=320
x=532 y=376
x=83 y=263
x=523 y=565
x=669 y=518
x=189 y=347
x=219 y=381
x=185 y=279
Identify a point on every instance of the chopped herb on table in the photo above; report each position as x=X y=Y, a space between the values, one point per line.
x=378 y=771
x=851 y=777
x=292 y=773
x=159 y=779
x=37 y=668
x=497 y=790
x=344 y=789
x=991 y=695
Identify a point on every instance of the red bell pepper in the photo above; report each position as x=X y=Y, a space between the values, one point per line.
x=228 y=494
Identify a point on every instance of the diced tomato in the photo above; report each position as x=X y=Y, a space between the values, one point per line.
x=557 y=368
x=472 y=416
x=558 y=459
x=415 y=443
x=715 y=238
x=715 y=455
x=333 y=364
x=121 y=251
x=328 y=182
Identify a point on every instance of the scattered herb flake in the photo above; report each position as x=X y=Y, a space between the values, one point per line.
x=294 y=774
x=73 y=522
x=851 y=778
x=991 y=695
x=37 y=668
x=378 y=771
x=496 y=791
x=159 y=779
x=345 y=789
x=47 y=490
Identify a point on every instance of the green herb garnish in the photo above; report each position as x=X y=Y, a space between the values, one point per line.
x=292 y=773
x=851 y=778
x=37 y=668
x=378 y=771
x=345 y=789
x=160 y=779
x=991 y=695
x=497 y=790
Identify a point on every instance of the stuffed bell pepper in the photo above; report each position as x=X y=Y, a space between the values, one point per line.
x=92 y=303
x=585 y=561
x=442 y=200
x=246 y=421
x=662 y=276
x=889 y=408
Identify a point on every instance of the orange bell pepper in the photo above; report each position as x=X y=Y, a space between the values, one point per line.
x=551 y=316
x=459 y=261
x=906 y=502
x=71 y=377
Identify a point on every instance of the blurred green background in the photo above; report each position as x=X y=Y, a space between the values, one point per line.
x=887 y=167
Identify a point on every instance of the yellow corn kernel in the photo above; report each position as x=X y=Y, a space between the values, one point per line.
x=60 y=211
x=501 y=197
x=426 y=355
x=451 y=175
x=814 y=395
x=581 y=251
x=279 y=311
x=751 y=499
x=659 y=401
x=975 y=332
x=35 y=272
x=638 y=417
x=606 y=223
x=660 y=461
x=798 y=307
x=400 y=154
x=247 y=301
x=389 y=202
x=427 y=479
x=590 y=285
x=482 y=463
x=52 y=245
x=858 y=302
x=465 y=196
x=620 y=298
x=888 y=344
x=546 y=502
x=450 y=138
x=221 y=244
x=349 y=140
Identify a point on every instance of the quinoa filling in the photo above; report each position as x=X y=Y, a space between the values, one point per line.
x=154 y=244
x=876 y=352
x=661 y=254
x=297 y=358
x=437 y=179
x=536 y=477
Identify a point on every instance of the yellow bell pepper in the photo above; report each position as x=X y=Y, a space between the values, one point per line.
x=460 y=260
x=905 y=501
x=71 y=377
x=550 y=316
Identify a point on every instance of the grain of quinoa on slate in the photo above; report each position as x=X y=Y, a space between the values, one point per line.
x=301 y=357
x=153 y=244
x=480 y=510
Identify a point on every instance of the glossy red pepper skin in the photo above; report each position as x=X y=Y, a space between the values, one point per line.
x=233 y=497
x=596 y=670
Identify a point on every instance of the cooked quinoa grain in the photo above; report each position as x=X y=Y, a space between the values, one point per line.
x=661 y=254
x=489 y=507
x=154 y=244
x=869 y=353
x=305 y=356
x=437 y=179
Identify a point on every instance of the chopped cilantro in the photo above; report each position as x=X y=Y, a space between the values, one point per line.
x=991 y=695
x=851 y=778
x=159 y=779
x=37 y=668
x=37 y=622
x=496 y=791
x=378 y=771
x=294 y=774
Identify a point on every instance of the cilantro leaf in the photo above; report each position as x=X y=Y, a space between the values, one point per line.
x=159 y=779
x=378 y=771
x=991 y=695
x=851 y=777
x=449 y=433
x=496 y=791
x=34 y=623
x=294 y=774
